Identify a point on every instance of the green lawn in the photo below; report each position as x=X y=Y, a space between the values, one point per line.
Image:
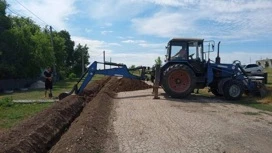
x=11 y=113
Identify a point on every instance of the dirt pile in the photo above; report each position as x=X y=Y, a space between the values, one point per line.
x=87 y=133
x=125 y=84
x=40 y=132
x=90 y=131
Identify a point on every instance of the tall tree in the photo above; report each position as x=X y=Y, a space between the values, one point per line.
x=69 y=48
x=4 y=20
x=80 y=51
x=59 y=52
x=26 y=49
x=158 y=61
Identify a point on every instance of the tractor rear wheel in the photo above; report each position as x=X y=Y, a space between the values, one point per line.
x=233 y=90
x=179 y=81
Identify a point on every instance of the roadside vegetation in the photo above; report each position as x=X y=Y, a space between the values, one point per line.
x=13 y=113
x=35 y=94
x=26 y=49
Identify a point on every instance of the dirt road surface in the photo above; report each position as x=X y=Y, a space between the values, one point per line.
x=198 y=124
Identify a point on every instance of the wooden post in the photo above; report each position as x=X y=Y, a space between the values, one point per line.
x=156 y=82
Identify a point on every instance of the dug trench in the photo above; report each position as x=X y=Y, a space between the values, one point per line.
x=74 y=124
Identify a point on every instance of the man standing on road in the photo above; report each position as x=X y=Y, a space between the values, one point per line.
x=48 y=81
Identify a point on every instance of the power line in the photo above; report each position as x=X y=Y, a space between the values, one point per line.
x=14 y=12
x=31 y=12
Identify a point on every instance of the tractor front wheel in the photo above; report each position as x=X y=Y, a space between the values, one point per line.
x=179 y=81
x=233 y=90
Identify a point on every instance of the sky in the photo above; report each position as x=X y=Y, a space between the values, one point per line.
x=135 y=32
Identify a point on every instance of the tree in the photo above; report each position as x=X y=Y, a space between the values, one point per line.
x=79 y=52
x=158 y=61
x=59 y=52
x=69 y=48
x=132 y=66
x=4 y=20
x=25 y=50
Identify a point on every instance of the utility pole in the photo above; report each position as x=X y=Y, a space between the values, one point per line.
x=104 y=59
x=54 y=65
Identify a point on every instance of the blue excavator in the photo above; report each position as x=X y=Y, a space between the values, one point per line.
x=187 y=67
x=119 y=70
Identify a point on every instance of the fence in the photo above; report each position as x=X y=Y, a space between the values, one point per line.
x=16 y=84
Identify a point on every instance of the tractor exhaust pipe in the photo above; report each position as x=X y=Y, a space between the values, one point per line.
x=217 y=59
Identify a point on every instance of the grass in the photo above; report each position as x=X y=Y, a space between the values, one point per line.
x=59 y=87
x=12 y=113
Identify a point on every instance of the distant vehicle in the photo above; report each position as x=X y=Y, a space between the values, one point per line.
x=253 y=68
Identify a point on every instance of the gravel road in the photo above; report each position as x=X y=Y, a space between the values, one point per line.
x=198 y=124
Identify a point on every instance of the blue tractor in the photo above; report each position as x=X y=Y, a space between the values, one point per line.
x=187 y=68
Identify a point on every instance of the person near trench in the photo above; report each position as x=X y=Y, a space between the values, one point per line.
x=48 y=82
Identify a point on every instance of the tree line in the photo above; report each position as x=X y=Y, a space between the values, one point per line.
x=26 y=49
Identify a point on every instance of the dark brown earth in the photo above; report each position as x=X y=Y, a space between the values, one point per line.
x=87 y=133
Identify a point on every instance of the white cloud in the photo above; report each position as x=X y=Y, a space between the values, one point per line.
x=105 y=32
x=88 y=30
x=108 y=24
x=113 y=10
x=214 y=19
x=96 y=47
x=147 y=59
x=153 y=45
x=114 y=44
x=129 y=41
x=55 y=13
x=163 y=24
x=173 y=3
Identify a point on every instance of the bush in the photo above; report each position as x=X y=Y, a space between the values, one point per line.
x=62 y=75
x=6 y=102
x=72 y=76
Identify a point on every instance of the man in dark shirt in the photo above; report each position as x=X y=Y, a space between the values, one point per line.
x=48 y=81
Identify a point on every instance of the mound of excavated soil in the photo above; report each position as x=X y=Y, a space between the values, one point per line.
x=87 y=133
x=90 y=131
x=125 y=84
x=40 y=132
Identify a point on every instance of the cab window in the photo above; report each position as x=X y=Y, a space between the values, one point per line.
x=179 y=50
x=195 y=51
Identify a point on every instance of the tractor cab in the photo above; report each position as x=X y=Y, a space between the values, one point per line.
x=187 y=50
x=184 y=49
